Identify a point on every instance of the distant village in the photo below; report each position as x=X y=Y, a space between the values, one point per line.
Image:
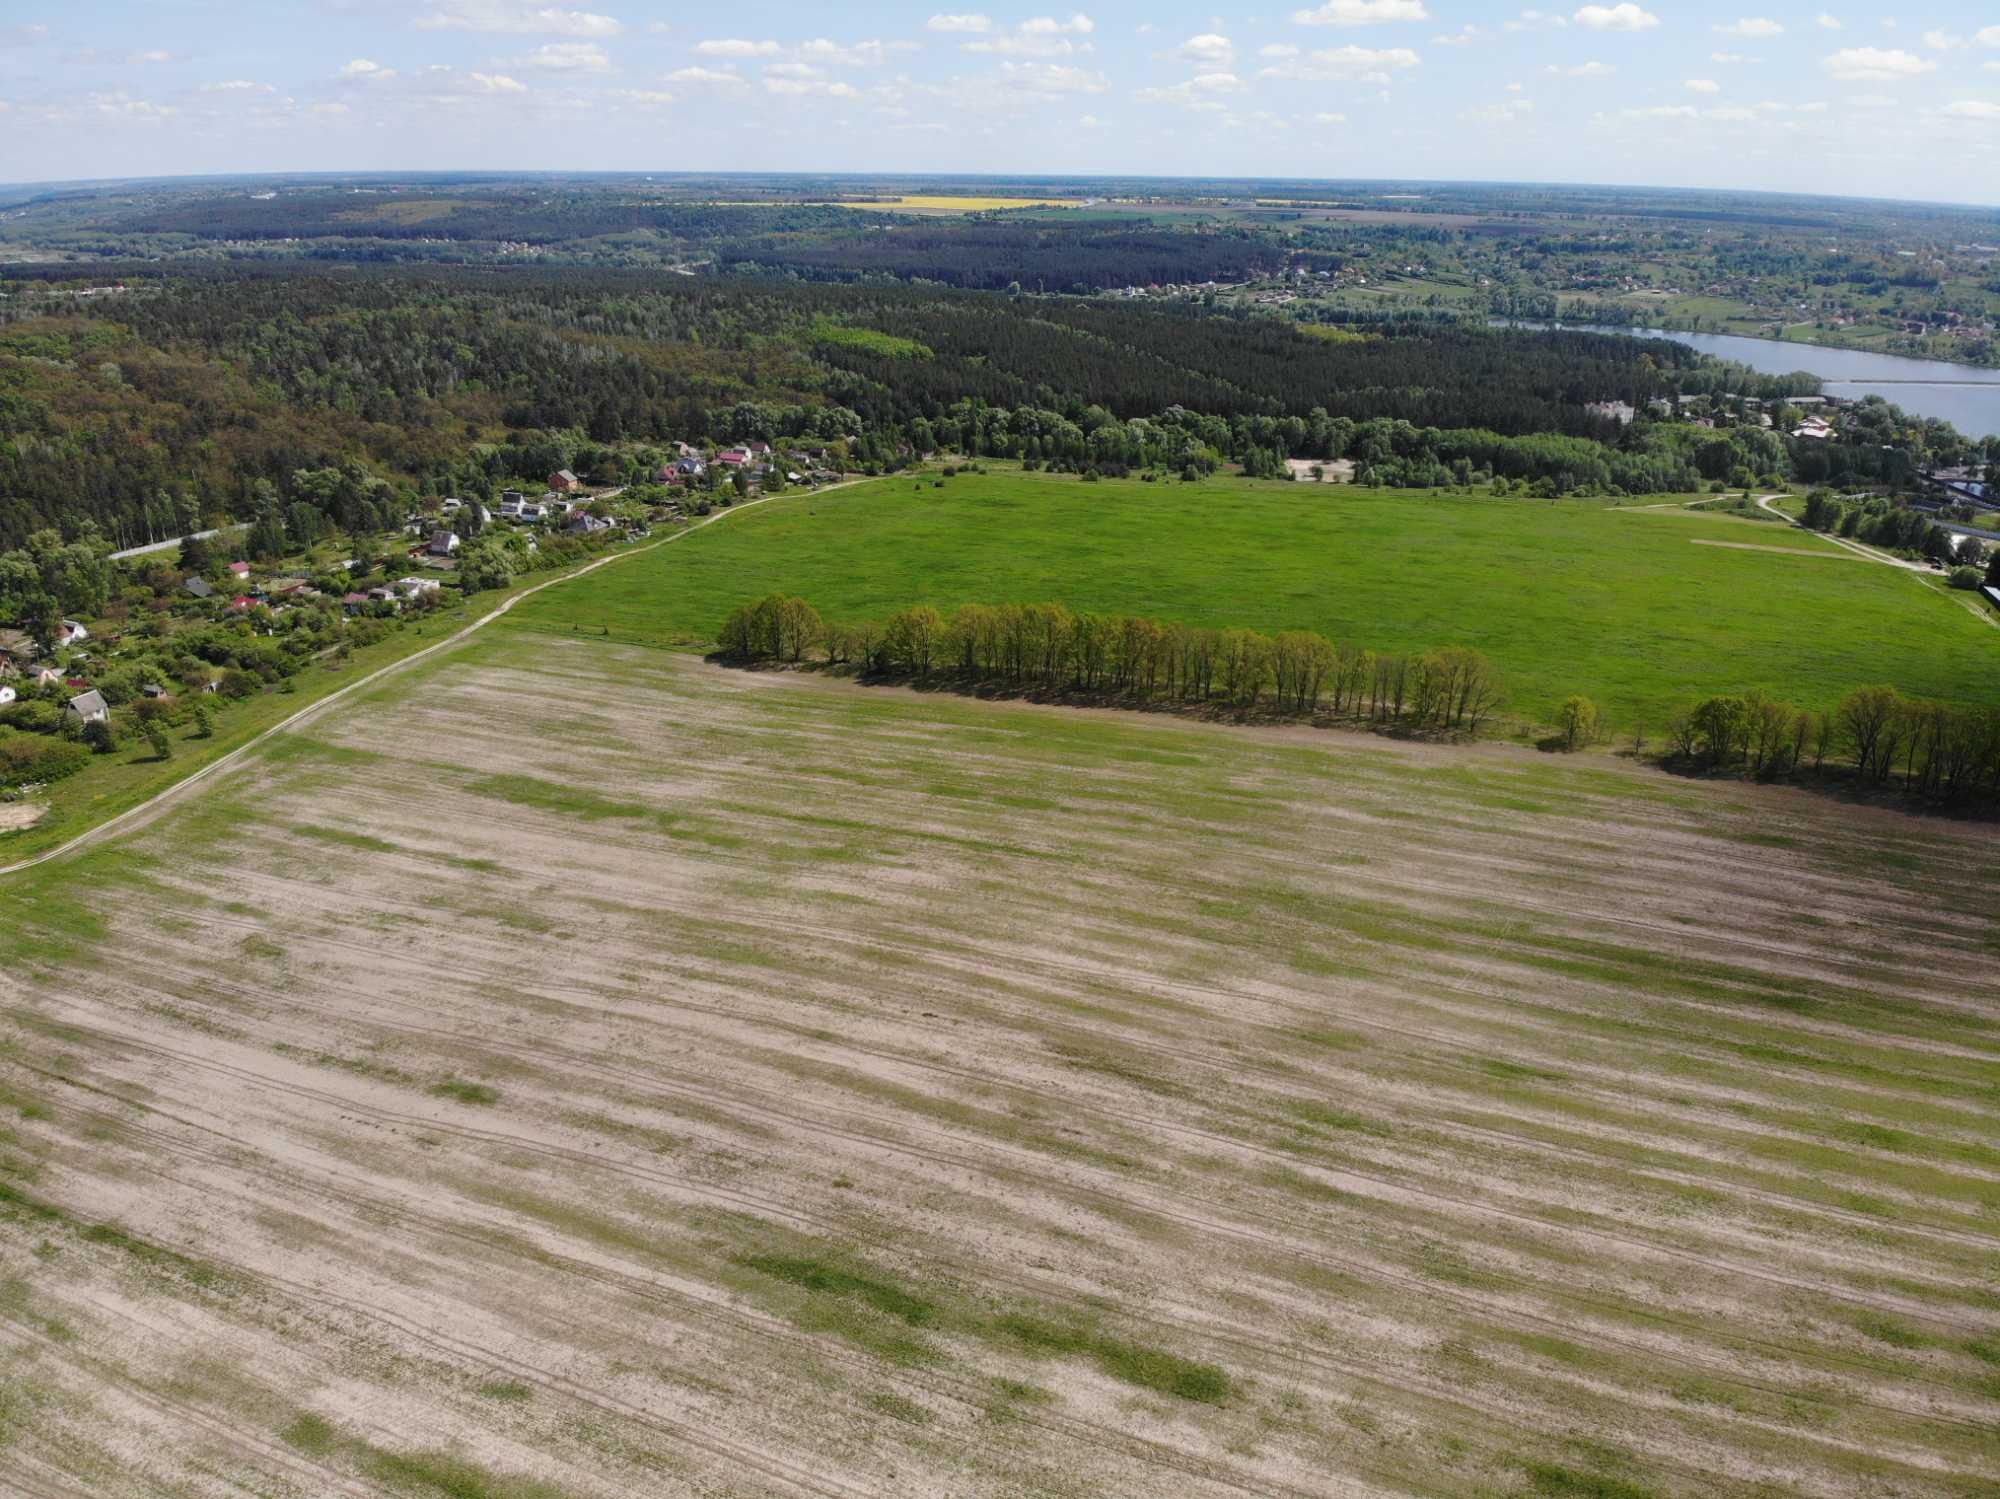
x=193 y=626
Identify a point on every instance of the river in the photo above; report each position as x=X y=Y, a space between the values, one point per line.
x=1963 y=394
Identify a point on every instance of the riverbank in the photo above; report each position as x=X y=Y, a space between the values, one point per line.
x=1965 y=395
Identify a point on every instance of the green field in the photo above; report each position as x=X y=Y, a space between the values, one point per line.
x=1619 y=603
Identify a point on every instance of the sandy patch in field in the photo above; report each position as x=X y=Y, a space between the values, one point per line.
x=15 y=816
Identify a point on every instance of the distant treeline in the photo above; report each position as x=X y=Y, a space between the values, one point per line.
x=1128 y=658
x=190 y=400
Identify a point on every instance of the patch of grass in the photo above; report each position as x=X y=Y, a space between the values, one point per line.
x=1559 y=1482
x=826 y=1279
x=311 y=1433
x=465 y=1092
x=1888 y=1330
x=1391 y=570
x=510 y=1390
x=899 y=1409
x=449 y=1477
x=556 y=796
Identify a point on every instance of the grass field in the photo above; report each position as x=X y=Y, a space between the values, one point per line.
x=1620 y=604
x=573 y=1070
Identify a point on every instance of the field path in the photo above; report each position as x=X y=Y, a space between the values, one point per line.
x=132 y=816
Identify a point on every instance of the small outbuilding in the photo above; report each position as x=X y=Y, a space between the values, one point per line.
x=89 y=707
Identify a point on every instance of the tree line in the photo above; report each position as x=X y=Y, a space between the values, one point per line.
x=1049 y=647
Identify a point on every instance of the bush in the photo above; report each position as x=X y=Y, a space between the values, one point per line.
x=99 y=736
x=1966 y=577
x=1576 y=722
x=25 y=759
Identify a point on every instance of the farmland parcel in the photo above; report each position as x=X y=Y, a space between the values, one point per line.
x=576 y=1070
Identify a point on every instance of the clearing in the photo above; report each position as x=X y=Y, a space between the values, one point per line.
x=570 y=1069
x=1565 y=596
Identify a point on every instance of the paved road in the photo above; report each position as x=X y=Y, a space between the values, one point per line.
x=164 y=546
x=134 y=815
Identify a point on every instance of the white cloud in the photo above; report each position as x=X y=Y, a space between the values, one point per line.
x=566 y=57
x=816 y=86
x=1346 y=65
x=364 y=68
x=515 y=18
x=1506 y=112
x=966 y=23
x=1703 y=86
x=869 y=54
x=737 y=47
x=1464 y=37
x=98 y=56
x=498 y=83
x=706 y=78
x=791 y=70
x=1043 y=36
x=1329 y=117
x=1208 y=48
x=124 y=107
x=1052 y=78
x=1990 y=37
x=1829 y=23
x=1591 y=69
x=1089 y=122
x=1972 y=109
x=1362 y=13
x=1751 y=28
x=24 y=36
x=1872 y=64
x=1728 y=59
x=1277 y=50
x=1196 y=93
x=1657 y=112
x=1625 y=17
x=237 y=86
x=1536 y=20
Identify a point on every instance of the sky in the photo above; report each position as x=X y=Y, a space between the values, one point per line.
x=1866 y=101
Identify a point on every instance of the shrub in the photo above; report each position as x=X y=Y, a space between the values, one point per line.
x=24 y=759
x=1576 y=722
x=99 y=736
x=1966 y=577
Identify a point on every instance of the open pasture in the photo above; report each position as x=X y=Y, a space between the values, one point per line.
x=571 y=1070
x=1573 y=596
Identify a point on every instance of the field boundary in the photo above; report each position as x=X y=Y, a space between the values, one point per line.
x=134 y=815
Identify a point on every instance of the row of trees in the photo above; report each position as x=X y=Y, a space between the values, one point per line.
x=1049 y=647
x=1941 y=751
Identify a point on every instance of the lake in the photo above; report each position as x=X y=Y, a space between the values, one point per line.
x=1964 y=395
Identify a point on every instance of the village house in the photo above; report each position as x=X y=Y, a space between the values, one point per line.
x=71 y=633
x=89 y=707
x=443 y=543
x=583 y=523
x=241 y=570
x=413 y=587
x=199 y=587
x=7 y=695
x=562 y=481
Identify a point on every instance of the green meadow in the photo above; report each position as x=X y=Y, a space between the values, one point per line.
x=1634 y=607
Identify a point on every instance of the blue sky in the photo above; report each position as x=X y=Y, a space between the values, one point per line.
x=1875 y=101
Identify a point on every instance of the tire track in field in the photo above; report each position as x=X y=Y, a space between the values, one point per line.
x=1452 y=1397
x=365 y=1191
x=285 y=1461
x=979 y=963
x=1362 y=1269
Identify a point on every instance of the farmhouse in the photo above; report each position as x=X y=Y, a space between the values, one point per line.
x=562 y=481
x=443 y=543
x=71 y=633
x=89 y=707
x=199 y=587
